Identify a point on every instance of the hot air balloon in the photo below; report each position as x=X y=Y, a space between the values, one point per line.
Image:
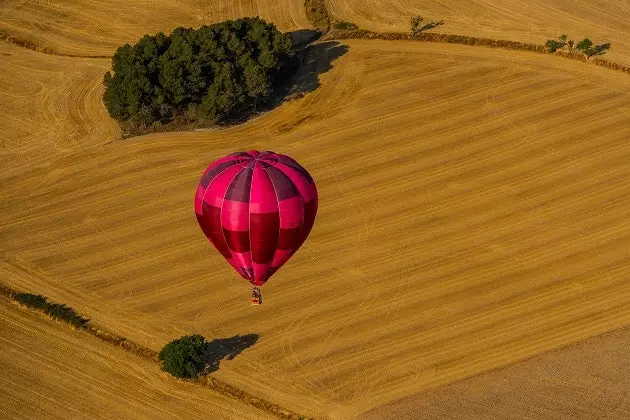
x=257 y=209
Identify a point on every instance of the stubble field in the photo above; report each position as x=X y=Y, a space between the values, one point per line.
x=53 y=372
x=533 y=21
x=473 y=212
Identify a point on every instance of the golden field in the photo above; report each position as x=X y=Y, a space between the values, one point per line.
x=50 y=370
x=98 y=27
x=588 y=380
x=533 y=21
x=473 y=213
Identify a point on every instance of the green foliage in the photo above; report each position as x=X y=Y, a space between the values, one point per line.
x=30 y=300
x=589 y=50
x=211 y=74
x=584 y=45
x=184 y=357
x=55 y=310
x=416 y=20
x=553 y=46
x=345 y=26
x=316 y=13
x=597 y=50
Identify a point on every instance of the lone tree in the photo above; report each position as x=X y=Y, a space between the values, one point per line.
x=208 y=75
x=184 y=357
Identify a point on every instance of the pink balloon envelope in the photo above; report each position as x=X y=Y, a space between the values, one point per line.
x=257 y=209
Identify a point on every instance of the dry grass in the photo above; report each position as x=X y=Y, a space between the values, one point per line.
x=98 y=27
x=585 y=381
x=50 y=104
x=474 y=208
x=52 y=370
x=532 y=21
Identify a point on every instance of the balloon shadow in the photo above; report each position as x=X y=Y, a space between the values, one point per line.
x=225 y=348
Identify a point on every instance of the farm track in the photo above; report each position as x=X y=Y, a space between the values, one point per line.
x=451 y=240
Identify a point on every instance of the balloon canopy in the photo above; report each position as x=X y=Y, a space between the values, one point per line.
x=257 y=209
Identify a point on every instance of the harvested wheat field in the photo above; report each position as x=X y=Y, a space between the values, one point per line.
x=473 y=212
x=589 y=380
x=98 y=27
x=51 y=371
x=533 y=21
x=51 y=104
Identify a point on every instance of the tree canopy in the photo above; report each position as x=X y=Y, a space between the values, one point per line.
x=208 y=75
x=184 y=357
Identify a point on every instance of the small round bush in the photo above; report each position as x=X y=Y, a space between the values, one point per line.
x=183 y=357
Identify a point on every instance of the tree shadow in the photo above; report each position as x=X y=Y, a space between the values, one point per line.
x=317 y=60
x=303 y=37
x=431 y=25
x=225 y=348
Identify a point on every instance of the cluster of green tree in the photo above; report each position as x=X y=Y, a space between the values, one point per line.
x=184 y=357
x=416 y=21
x=208 y=75
x=585 y=46
x=55 y=310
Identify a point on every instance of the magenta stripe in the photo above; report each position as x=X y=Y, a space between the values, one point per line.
x=291 y=212
x=263 y=197
x=235 y=215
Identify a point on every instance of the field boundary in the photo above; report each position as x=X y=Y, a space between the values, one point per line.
x=467 y=40
x=44 y=50
x=332 y=34
x=216 y=385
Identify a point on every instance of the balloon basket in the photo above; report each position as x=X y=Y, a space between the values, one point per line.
x=256 y=301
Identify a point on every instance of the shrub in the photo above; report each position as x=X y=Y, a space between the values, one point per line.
x=589 y=50
x=56 y=311
x=584 y=45
x=184 y=357
x=30 y=300
x=317 y=14
x=553 y=46
x=345 y=26
x=212 y=74
x=416 y=20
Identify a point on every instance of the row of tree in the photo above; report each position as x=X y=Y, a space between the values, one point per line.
x=207 y=75
x=585 y=46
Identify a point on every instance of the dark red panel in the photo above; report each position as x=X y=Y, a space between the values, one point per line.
x=210 y=222
x=264 y=229
x=237 y=241
x=310 y=210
